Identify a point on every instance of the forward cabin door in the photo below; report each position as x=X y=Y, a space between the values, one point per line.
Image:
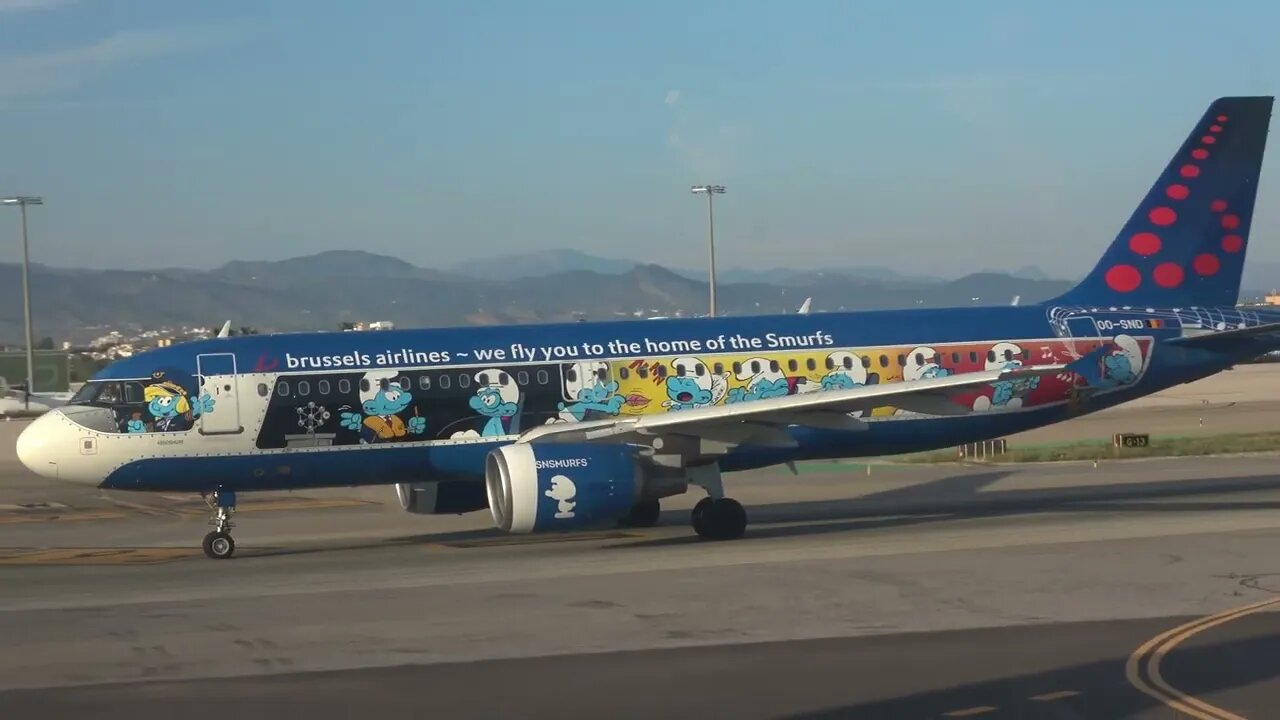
x=217 y=373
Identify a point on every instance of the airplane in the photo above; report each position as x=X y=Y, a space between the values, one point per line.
x=567 y=426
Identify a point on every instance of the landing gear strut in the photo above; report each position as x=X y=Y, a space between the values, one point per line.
x=715 y=517
x=218 y=544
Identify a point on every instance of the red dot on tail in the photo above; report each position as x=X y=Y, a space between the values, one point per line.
x=1208 y=139
x=1190 y=171
x=1218 y=205
x=1231 y=222
x=1222 y=118
x=1215 y=128
x=1168 y=275
x=1123 y=278
x=1232 y=243
x=1206 y=264
x=1200 y=153
x=1145 y=243
x=1163 y=216
x=1177 y=192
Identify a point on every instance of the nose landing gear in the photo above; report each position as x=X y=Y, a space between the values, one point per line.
x=218 y=544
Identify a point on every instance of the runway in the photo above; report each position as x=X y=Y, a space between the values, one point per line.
x=899 y=592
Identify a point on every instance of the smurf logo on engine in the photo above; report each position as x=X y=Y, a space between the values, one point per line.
x=560 y=464
x=563 y=491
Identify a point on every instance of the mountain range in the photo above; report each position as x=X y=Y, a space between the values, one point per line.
x=322 y=290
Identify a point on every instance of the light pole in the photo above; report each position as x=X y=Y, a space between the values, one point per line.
x=710 y=191
x=22 y=202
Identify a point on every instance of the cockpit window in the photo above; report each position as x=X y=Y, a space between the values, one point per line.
x=140 y=406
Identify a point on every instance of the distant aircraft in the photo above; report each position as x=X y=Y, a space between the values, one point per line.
x=574 y=425
x=804 y=308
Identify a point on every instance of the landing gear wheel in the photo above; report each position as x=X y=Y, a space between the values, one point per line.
x=643 y=515
x=219 y=545
x=723 y=519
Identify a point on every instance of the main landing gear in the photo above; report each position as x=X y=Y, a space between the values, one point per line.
x=715 y=517
x=218 y=544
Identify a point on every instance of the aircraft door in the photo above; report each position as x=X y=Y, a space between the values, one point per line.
x=217 y=375
x=1082 y=326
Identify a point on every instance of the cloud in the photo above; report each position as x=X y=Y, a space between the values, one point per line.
x=17 y=6
x=673 y=97
x=68 y=69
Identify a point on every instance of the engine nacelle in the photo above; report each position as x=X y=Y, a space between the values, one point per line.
x=556 y=487
x=446 y=497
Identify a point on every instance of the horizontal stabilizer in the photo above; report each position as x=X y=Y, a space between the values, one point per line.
x=1210 y=338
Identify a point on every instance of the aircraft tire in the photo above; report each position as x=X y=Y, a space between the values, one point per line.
x=723 y=519
x=696 y=517
x=644 y=514
x=219 y=545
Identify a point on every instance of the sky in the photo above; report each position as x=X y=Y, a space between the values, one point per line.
x=940 y=138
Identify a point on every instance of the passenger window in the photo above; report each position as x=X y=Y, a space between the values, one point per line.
x=443 y=382
x=662 y=371
x=323 y=387
x=774 y=366
x=866 y=362
x=831 y=364
x=364 y=385
x=344 y=386
x=304 y=388
x=1026 y=354
x=919 y=359
x=282 y=388
x=543 y=377
x=571 y=374
x=902 y=361
x=700 y=370
x=811 y=364
x=504 y=379
x=884 y=361
x=464 y=381
x=991 y=356
x=973 y=356
x=405 y=383
x=1008 y=355
x=424 y=382
x=793 y=365
x=955 y=358
x=262 y=389
x=642 y=371
x=719 y=368
x=737 y=368
x=680 y=370
x=624 y=373
x=755 y=367
x=522 y=378
x=848 y=362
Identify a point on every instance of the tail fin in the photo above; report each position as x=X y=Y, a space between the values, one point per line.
x=1185 y=243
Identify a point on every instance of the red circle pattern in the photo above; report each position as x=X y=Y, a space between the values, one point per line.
x=1168 y=275
x=1162 y=216
x=1178 y=192
x=1190 y=171
x=1232 y=243
x=1222 y=118
x=1206 y=264
x=1208 y=139
x=1124 y=278
x=1218 y=205
x=1145 y=243
x=1215 y=128
x=1200 y=153
x=1231 y=222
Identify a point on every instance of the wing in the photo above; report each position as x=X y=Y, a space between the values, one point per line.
x=714 y=430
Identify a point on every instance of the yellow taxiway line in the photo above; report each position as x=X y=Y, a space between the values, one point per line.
x=1152 y=652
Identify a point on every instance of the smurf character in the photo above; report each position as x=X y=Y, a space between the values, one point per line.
x=1008 y=394
x=1123 y=365
x=563 y=491
x=168 y=404
x=497 y=398
x=588 y=386
x=922 y=364
x=848 y=373
x=693 y=385
x=764 y=380
x=382 y=399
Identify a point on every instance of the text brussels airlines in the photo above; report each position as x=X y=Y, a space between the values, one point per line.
x=582 y=485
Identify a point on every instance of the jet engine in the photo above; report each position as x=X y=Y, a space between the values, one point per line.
x=553 y=487
x=445 y=497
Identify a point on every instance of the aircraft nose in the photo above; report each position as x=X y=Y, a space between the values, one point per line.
x=37 y=445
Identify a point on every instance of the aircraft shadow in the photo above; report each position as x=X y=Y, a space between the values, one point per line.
x=961 y=497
